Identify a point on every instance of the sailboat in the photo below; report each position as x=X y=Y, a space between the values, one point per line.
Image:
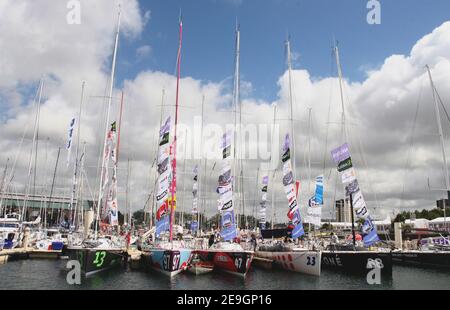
x=284 y=255
x=431 y=254
x=350 y=257
x=197 y=266
x=169 y=257
x=227 y=256
x=102 y=253
x=289 y=256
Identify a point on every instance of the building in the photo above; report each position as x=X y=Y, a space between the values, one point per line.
x=440 y=204
x=440 y=223
x=343 y=211
x=418 y=223
x=36 y=205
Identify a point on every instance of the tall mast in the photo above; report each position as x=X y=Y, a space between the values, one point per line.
x=309 y=158
x=291 y=105
x=174 y=172
x=74 y=205
x=341 y=88
x=113 y=69
x=344 y=131
x=120 y=127
x=126 y=216
x=204 y=171
x=236 y=103
x=441 y=137
x=184 y=181
x=274 y=170
x=30 y=163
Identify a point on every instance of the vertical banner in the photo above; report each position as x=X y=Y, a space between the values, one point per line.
x=69 y=139
x=225 y=191
x=291 y=192
x=315 y=204
x=164 y=171
x=263 y=206
x=341 y=156
x=110 y=208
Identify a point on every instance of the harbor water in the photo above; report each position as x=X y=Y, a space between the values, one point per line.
x=50 y=275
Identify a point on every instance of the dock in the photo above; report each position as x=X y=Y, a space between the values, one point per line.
x=27 y=253
x=134 y=258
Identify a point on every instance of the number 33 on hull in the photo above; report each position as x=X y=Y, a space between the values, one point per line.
x=307 y=262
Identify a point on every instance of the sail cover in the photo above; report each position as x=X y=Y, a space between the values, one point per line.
x=194 y=222
x=341 y=156
x=291 y=192
x=315 y=203
x=164 y=171
x=262 y=205
x=225 y=191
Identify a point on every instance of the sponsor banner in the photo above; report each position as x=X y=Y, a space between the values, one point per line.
x=345 y=164
x=348 y=176
x=341 y=153
x=369 y=232
x=162 y=225
x=228 y=231
x=69 y=139
x=314 y=215
x=194 y=226
x=352 y=188
x=298 y=230
x=318 y=198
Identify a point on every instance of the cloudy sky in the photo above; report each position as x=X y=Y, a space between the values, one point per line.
x=388 y=100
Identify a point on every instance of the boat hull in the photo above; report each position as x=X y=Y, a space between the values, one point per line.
x=169 y=262
x=422 y=258
x=358 y=262
x=307 y=262
x=93 y=261
x=233 y=262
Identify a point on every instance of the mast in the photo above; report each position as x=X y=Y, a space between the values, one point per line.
x=341 y=88
x=255 y=209
x=126 y=218
x=204 y=171
x=309 y=158
x=30 y=163
x=113 y=69
x=120 y=127
x=272 y=159
x=53 y=186
x=441 y=137
x=291 y=106
x=75 y=172
x=174 y=172
x=236 y=103
x=344 y=130
x=184 y=181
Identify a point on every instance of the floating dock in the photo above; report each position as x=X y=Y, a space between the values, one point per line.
x=27 y=253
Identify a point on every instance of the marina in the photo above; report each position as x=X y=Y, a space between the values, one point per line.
x=165 y=182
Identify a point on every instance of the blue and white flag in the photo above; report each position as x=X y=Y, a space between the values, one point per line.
x=369 y=232
x=69 y=139
x=228 y=231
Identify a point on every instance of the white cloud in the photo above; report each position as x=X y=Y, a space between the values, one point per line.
x=380 y=109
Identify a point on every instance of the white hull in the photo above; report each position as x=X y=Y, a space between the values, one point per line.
x=307 y=262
